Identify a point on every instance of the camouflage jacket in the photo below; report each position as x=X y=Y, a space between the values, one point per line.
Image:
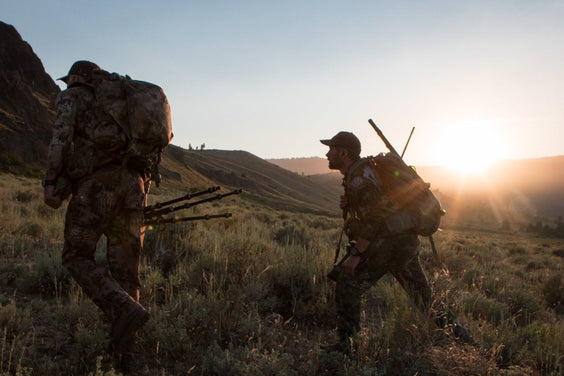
x=368 y=207
x=84 y=136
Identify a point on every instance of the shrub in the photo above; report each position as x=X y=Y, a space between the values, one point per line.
x=553 y=290
x=48 y=276
x=25 y=196
x=8 y=159
x=290 y=234
x=481 y=308
x=31 y=228
x=10 y=273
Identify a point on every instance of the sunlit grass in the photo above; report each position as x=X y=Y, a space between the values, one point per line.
x=248 y=295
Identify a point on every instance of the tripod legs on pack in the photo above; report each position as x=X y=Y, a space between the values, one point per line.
x=434 y=249
x=153 y=215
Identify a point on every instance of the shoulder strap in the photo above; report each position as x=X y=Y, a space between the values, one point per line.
x=105 y=84
x=353 y=167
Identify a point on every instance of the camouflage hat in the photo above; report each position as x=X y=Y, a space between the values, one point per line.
x=345 y=140
x=80 y=68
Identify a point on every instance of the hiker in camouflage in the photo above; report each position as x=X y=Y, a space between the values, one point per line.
x=107 y=199
x=375 y=248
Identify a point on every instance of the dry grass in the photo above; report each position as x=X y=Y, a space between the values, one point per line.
x=248 y=296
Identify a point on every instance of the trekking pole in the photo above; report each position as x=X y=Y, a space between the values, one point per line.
x=407 y=143
x=338 y=249
x=434 y=249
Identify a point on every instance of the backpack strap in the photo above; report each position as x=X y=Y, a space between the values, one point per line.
x=353 y=167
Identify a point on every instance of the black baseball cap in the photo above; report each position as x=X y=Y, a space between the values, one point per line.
x=345 y=140
x=80 y=68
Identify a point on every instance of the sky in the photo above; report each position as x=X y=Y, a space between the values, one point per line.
x=476 y=80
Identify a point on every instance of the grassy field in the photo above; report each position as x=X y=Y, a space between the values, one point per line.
x=248 y=295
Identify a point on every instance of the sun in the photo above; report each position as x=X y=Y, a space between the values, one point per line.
x=470 y=147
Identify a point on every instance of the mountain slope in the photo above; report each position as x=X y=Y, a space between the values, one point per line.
x=27 y=97
x=261 y=181
x=303 y=166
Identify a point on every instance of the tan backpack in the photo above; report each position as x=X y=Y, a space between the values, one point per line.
x=410 y=194
x=142 y=111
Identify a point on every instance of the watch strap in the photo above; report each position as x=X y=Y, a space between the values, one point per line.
x=355 y=252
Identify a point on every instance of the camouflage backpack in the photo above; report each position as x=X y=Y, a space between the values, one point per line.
x=142 y=111
x=410 y=194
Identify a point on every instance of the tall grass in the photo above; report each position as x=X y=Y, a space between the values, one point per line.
x=248 y=295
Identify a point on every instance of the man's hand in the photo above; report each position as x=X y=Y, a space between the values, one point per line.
x=50 y=198
x=350 y=264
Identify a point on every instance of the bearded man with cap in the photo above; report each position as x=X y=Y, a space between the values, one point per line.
x=107 y=199
x=374 y=248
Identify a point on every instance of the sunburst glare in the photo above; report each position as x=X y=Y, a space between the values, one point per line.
x=471 y=147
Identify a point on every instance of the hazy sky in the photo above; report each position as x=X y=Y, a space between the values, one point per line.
x=273 y=77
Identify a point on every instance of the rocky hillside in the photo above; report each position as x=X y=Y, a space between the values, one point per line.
x=27 y=97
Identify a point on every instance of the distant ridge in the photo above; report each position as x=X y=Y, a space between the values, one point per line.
x=262 y=182
x=303 y=166
x=533 y=186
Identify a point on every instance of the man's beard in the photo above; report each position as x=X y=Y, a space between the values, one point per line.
x=335 y=164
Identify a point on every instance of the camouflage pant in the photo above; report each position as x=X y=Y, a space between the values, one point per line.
x=108 y=202
x=400 y=257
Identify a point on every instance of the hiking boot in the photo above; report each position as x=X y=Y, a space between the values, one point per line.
x=126 y=326
x=461 y=332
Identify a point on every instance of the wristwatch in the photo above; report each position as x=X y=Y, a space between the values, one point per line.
x=46 y=182
x=355 y=252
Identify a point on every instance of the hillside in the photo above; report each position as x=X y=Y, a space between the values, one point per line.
x=303 y=166
x=27 y=98
x=261 y=181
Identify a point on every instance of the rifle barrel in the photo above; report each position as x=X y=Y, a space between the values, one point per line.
x=388 y=144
